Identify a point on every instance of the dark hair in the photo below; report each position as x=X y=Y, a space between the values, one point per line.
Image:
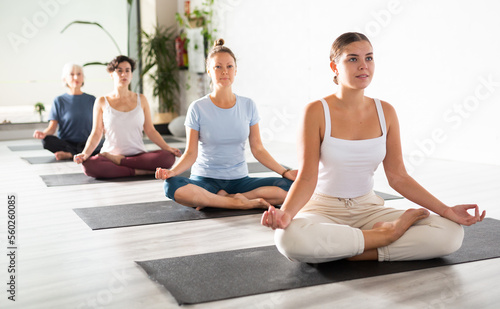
x=219 y=48
x=342 y=41
x=113 y=64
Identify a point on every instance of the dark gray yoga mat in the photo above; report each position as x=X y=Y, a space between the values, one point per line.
x=221 y=275
x=72 y=179
x=81 y=178
x=105 y=217
x=168 y=139
x=151 y=213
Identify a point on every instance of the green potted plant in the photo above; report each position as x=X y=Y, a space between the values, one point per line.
x=200 y=17
x=160 y=63
x=40 y=108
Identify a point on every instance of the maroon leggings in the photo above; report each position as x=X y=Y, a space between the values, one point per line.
x=101 y=167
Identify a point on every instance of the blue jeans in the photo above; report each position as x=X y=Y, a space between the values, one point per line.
x=231 y=186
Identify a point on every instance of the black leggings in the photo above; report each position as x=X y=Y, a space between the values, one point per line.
x=55 y=144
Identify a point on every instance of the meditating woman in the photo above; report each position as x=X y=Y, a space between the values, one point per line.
x=331 y=211
x=123 y=115
x=217 y=128
x=70 y=116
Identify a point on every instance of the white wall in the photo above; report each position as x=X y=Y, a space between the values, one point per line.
x=34 y=50
x=436 y=63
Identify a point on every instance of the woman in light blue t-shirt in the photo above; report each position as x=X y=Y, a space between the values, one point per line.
x=218 y=125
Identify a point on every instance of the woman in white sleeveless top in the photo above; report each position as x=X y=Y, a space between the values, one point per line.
x=331 y=211
x=123 y=115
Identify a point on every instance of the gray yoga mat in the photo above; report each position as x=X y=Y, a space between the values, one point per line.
x=168 y=139
x=44 y=160
x=105 y=217
x=221 y=275
x=25 y=147
x=81 y=179
x=151 y=213
x=72 y=179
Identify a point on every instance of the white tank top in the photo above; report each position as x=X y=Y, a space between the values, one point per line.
x=346 y=167
x=123 y=130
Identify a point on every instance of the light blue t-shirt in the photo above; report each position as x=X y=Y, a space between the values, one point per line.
x=223 y=134
x=74 y=116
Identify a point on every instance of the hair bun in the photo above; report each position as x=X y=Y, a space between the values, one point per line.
x=219 y=42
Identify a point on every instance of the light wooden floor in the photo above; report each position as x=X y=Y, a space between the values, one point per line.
x=64 y=264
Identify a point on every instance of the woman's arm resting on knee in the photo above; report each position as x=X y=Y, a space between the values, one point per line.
x=263 y=156
x=310 y=136
x=50 y=130
x=151 y=132
x=403 y=183
x=96 y=133
x=187 y=159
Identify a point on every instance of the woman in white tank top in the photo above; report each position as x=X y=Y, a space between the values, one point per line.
x=331 y=211
x=123 y=116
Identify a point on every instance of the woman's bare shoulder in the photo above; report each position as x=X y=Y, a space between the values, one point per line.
x=100 y=100
x=314 y=107
x=388 y=108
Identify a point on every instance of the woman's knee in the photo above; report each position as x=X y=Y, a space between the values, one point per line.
x=91 y=169
x=287 y=241
x=454 y=235
x=171 y=185
x=167 y=158
x=446 y=238
x=296 y=243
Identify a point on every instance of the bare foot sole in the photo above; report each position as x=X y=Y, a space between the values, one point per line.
x=143 y=172
x=116 y=159
x=398 y=227
x=63 y=155
x=254 y=203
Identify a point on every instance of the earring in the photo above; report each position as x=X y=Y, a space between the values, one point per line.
x=335 y=79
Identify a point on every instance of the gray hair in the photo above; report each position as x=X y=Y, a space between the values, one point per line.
x=67 y=68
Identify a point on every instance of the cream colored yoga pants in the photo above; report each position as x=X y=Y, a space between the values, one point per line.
x=329 y=228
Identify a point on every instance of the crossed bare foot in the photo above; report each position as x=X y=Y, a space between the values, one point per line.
x=398 y=227
x=253 y=203
x=247 y=203
x=63 y=155
x=116 y=159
